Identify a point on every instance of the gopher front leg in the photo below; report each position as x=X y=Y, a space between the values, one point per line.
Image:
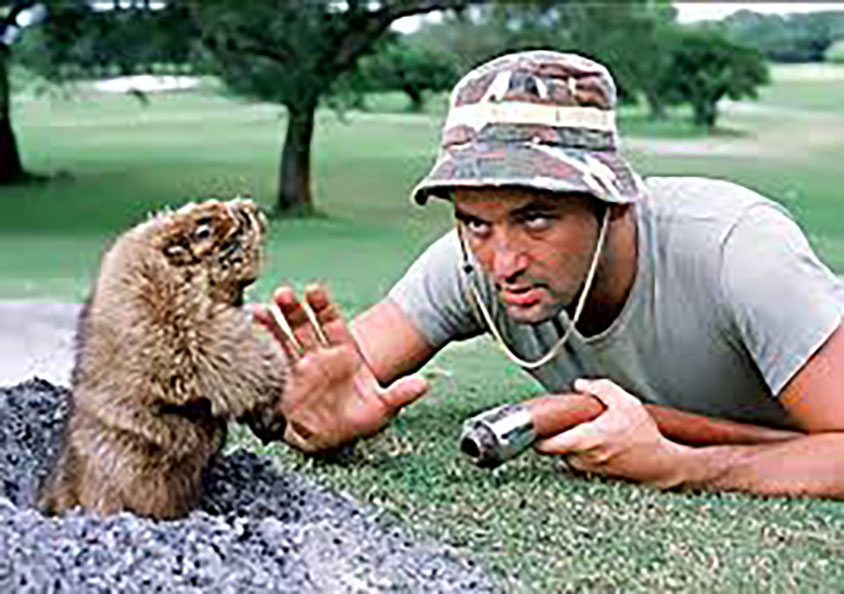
x=173 y=433
x=58 y=493
x=247 y=374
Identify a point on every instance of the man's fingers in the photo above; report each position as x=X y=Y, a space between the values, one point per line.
x=315 y=325
x=262 y=315
x=577 y=440
x=404 y=391
x=265 y=316
x=333 y=325
x=297 y=317
x=608 y=392
x=282 y=324
x=292 y=437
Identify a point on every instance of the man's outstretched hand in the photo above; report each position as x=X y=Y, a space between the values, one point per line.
x=331 y=396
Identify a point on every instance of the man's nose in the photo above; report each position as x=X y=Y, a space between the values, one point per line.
x=508 y=259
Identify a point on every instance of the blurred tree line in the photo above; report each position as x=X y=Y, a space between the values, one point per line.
x=787 y=38
x=304 y=53
x=653 y=58
x=290 y=52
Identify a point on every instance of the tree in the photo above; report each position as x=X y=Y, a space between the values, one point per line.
x=292 y=53
x=128 y=37
x=412 y=68
x=705 y=67
x=11 y=167
x=786 y=38
x=835 y=53
x=625 y=35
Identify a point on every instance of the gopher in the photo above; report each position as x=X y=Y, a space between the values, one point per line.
x=166 y=356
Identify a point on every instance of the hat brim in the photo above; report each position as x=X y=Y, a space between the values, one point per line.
x=603 y=174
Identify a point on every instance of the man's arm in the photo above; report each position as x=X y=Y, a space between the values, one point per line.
x=552 y=414
x=389 y=343
x=625 y=440
x=812 y=465
x=336 y=388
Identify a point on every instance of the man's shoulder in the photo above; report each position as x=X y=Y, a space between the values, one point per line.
x=694 y=209
x=696 y=196
x=687 y=222
x=443 y=251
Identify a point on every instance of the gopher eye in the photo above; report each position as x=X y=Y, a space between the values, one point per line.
x=203 y=229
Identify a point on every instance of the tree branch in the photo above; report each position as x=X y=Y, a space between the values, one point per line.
x=11 y=18
x=368 y=26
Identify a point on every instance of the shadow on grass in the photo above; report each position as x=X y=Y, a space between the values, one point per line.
x=29 y=178
x=295 y=214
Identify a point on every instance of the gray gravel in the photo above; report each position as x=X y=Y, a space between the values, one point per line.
x=259 y=530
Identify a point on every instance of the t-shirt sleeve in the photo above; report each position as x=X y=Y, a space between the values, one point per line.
x=433 y=294
x=780 y=299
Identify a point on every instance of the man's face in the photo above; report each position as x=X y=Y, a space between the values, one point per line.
x=535 y=247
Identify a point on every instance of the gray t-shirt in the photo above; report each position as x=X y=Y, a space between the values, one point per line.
x=729 y=302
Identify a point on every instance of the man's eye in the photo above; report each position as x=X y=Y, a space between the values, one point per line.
x=537 y=222
x=477 y=228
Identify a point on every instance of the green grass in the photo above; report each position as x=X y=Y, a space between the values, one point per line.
x=533 y=525
x=816 y=87
x=635 y=120
x=541 y=529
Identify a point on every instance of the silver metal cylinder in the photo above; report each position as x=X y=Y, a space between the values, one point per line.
x=497 y=435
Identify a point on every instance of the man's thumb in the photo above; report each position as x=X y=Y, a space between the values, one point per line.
x=405 y=390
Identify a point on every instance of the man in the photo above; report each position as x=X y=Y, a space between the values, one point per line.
x=695 y=294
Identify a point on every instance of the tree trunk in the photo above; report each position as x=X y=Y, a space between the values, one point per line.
x=656 y=107
x=705 y=113
x=11 y=169
x=294 y=186
x=417 y=99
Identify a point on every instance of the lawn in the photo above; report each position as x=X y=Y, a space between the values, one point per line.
x=535 y=526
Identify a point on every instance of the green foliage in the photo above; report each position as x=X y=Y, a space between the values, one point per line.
x=412 y=68
x=648 y=53
x=294 y=53
x=290 y=53
x=786 y=38
x=835 y=52
x=78 y=42
x=704 y=67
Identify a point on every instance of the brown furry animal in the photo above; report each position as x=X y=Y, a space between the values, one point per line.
x=166 y=356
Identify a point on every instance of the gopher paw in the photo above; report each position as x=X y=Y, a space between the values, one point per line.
x=265 y=424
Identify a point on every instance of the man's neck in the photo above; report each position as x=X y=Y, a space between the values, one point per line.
x=614 y=278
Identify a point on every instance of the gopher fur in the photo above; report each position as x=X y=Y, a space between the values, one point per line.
x=166 y=355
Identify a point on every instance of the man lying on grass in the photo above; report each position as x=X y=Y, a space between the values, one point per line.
x=694 y=294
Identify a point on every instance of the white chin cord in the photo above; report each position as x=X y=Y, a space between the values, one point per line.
x=599 y=248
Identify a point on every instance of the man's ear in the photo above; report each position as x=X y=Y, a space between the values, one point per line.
x=618 y=211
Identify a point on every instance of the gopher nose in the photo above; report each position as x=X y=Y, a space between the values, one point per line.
x=248 y=214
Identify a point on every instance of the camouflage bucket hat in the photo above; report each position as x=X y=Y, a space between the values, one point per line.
x=537 y=119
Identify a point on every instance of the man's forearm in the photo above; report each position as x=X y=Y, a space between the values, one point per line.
x=552 y=414
x=811 y=465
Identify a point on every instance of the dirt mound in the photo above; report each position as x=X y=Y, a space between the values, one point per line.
x=259 y=530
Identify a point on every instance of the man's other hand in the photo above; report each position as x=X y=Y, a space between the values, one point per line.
x=624 y=441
